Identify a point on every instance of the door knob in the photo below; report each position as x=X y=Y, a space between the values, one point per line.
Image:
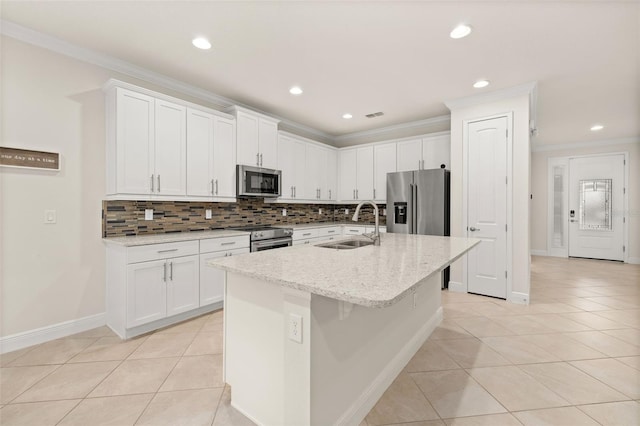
x=474 y=229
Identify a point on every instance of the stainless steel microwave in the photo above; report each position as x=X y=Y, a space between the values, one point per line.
x=258 y=182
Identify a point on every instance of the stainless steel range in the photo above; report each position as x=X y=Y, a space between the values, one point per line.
x=265 y=237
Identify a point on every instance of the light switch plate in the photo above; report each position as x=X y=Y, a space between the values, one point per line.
x=284 y=212
x=148 y=214
x=319 y=211
x=346 y=211
x=50 y=216
x=207 y=214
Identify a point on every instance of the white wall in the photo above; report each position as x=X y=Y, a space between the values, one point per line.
x=519 y=106
x=539 y=185
x=53 y=273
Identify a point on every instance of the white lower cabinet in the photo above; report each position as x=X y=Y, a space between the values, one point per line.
x=212 y=280
x=155 y=285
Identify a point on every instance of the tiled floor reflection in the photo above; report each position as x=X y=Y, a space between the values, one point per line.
x=572 y=357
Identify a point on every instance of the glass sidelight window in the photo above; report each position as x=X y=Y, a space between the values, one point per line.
x=595 y=204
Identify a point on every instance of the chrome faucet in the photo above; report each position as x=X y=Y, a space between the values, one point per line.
x=376 y=235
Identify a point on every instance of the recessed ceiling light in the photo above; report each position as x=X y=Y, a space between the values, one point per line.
x=201 y=43
x=347 y=116
x=480 y=84
x=295 y=90
x=460 y=31
x=597 y=127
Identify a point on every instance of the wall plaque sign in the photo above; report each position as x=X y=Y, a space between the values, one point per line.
x=14 y=157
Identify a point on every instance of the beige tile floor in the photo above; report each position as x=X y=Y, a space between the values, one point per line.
x=572 y=357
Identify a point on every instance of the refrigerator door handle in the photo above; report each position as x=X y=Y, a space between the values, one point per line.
x=414 y=201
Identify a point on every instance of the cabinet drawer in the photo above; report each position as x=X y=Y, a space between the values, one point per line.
x=224 y=243
x=161 y=251
x=354 y=230
x=329 y=231
x=370 y=229
x=305 y=234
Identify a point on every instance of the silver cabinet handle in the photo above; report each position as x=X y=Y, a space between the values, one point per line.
x=573 y=220
x=331 y=232
x=230 y=243
x=354 y=194
x=212 y=187
x=230 y=254
x=306 y=242
x=158 y=183
x=216 y=186
x=152 y=189
x=292 y=192
x=329 y=194
x=258 y=159
x=308 y=233
x=171 y=271
x=164 y=272
x=167 y=251
x=357 y=195
x=295 y=192
x=472 y=229
x=374 y=193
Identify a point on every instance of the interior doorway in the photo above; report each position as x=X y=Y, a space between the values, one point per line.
x=587 y=200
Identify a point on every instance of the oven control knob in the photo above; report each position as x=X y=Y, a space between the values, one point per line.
x=287 y=232
x=260 y=234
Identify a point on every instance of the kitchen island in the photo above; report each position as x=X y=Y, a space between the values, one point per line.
x=314 y=335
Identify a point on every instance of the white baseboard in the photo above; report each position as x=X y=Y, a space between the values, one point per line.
x=634 y=260
x=366 y=401
x=538 y=252
x=457 y=287
x=44 y=334
x=519 y=298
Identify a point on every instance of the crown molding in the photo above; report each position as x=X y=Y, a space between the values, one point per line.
x=530 y=89
x=578 y=145
x=62 y=47
x=402 y=126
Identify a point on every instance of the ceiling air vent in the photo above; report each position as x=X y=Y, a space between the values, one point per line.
x=375 y=114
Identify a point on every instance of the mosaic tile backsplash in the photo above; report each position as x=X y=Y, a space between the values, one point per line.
x=120 y=218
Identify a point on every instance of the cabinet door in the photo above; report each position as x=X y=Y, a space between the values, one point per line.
x=170 y=149
x=330 y=192
x=200 y=131
x=224 y=158
x=134 y=142
x=314 y=171
x=348 y=161
x=364 y=170
x=436 y=151
x=268 y=136
x=409 y=155
x=146 y=292
x=247 y=139
x=212 y=280
x=384 y=162
x=183 y=284
x=285 y=164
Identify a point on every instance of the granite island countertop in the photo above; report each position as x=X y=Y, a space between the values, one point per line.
x=369 y=276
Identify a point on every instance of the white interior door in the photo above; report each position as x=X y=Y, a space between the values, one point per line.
x=487 y=206
x=596 y=206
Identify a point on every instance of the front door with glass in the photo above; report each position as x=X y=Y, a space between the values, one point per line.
x=596 y=207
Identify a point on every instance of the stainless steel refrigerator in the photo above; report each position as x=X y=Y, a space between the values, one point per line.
x=418 y=203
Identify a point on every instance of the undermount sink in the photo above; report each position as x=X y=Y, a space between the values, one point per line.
x=346 y=244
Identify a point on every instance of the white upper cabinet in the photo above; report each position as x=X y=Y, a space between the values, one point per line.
x=170 y=148
x=409 y=155
x=330 y=190
x=427 y=152
x=314 y=165
x=257 y=138
x=147 y=153
x=436 y=150
x=131 y=139
x=384 y=157
x=210 y=155
x=147 y=140
x=356 y=174
x=291 y=161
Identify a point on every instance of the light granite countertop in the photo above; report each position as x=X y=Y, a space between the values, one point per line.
x=369 y=276
x=141 y=240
